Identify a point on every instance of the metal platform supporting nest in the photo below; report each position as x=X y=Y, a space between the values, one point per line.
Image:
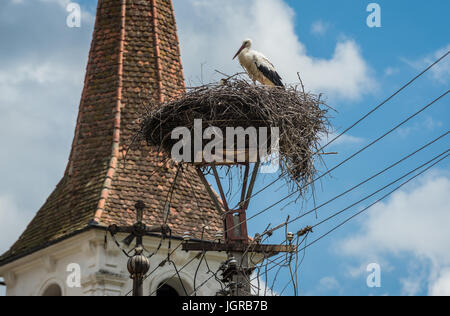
x=236 y=271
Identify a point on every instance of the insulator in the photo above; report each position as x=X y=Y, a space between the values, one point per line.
x=290 y=236
x=219 y=236
x=187 y=236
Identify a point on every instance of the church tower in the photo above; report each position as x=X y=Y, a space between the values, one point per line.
x=134 y=61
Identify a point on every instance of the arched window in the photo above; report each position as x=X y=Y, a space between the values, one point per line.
x=53 y=290
x=166 y=290
x=173 y=287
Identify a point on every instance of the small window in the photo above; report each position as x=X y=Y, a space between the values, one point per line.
x=52 y=290
x=166 y=290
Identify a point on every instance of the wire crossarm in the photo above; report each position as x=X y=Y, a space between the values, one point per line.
x=269 y=250
x=236 y=270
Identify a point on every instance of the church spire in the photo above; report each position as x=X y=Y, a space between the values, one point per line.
x=134 y=61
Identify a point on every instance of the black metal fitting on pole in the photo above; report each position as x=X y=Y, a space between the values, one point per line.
x=138 y=266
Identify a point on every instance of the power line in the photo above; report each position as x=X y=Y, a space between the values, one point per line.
x=379 y=190
x=365 y=116
x=347 y=159
x=159 y=265
x=385 y=101
x=214 y=275
x=383 y=188
x=376 y=202
x=176 y=273
x=351 y=157
x=360 y=184
x=343 y=162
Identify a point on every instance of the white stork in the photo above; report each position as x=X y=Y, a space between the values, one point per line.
x=258 y=67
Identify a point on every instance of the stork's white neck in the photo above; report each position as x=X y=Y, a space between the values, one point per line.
x=245 y=51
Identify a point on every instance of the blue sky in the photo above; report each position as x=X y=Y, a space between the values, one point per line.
x=336 y=53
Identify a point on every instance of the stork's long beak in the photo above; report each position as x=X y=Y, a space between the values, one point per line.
x=239 y=51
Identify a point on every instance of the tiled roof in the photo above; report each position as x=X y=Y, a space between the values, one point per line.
x=134 y=56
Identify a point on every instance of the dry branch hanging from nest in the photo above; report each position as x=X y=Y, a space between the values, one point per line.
x=300 y=117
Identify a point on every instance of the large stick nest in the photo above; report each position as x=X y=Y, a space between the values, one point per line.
x=300 y=116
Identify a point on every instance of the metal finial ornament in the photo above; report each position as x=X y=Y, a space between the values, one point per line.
x=138 y=265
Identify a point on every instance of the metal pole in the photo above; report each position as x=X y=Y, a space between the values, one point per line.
x=241 y=279
x=138 y=265
x=138 y=289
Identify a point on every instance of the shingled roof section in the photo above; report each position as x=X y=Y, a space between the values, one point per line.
x=134 y=55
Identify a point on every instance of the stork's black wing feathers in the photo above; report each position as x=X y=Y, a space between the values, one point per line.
x=272 y=75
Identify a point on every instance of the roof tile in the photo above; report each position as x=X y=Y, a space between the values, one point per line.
x=134 y=58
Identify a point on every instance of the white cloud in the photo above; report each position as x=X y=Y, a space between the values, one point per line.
x=259 y=287
x=411 y=286
x=390 y=71
x=319 y=27
x=41 y=78
x=62 y=3
x=428 y=124
x=342 y=140
x=12 y=222
x=211 y=31
x=414 y=222
x=416 y=279
x=441 y=285
x=440 y=72
x=328 y=283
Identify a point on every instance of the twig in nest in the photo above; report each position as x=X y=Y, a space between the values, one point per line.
x=300 y=116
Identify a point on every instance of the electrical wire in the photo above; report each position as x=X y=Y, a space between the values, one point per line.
x=371 y=205
x=383 y=188
x=359 y=184
x=445 y=154
x=379 y=200
x=329 y=171
x=345 y=160
x=364 y=117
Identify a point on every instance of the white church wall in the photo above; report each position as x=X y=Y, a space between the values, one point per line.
x=85 y=265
